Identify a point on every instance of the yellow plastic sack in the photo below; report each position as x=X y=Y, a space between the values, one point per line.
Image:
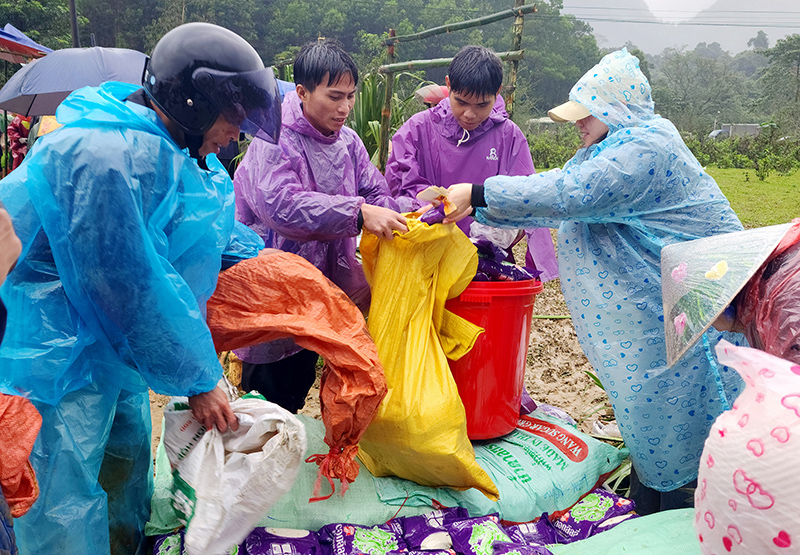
x=420 y=431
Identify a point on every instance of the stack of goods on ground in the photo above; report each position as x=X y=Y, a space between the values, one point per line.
x=448 y=531
x=544 y=466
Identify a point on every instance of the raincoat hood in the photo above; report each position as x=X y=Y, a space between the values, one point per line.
x=294 y=119
x=616 y=92
x=442 y=114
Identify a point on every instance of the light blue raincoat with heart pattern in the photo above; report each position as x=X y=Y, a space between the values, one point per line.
x=616 y=204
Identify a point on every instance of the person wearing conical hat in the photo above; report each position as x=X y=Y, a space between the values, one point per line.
x=746 y=282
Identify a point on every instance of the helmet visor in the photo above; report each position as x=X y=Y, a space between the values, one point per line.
x=250 y=100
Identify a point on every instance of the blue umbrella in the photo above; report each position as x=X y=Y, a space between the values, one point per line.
x=38 y=88
x=16 y=47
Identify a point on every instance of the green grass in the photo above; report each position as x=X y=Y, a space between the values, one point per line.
x=776 y=200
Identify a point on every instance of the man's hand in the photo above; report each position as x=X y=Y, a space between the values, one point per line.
x=382 y=221
x=459 y=194
x=213 y=409
x=10 y=245
x=268 y=251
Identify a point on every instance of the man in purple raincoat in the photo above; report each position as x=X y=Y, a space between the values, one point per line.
x=311 y=195
x=467 y=137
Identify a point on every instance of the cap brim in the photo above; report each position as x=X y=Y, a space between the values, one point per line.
x=569 y=111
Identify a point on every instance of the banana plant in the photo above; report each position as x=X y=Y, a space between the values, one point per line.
x=365 y=119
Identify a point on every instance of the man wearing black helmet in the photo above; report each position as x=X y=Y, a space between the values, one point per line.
x=123 y=236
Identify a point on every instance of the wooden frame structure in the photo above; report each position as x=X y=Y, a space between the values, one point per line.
x=392 y=66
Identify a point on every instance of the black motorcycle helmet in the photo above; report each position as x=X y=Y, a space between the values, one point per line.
x=198 y=71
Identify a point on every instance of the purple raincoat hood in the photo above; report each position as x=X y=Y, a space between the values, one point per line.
x=294 y=119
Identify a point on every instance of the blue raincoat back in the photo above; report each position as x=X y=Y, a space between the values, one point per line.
x=616 y=204
x=122 y=239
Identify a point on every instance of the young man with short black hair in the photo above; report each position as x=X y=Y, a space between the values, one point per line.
x=311 y=195
x=468 y=136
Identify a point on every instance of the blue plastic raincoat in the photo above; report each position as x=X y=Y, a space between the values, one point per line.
x=616 y=204
x=303 y=196
x=122 y=239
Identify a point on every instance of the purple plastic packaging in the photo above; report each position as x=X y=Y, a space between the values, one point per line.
x=582 y=520
x=487 y=249
x=506 y=548
x=433 y=216
x=169 y=544
x=475 y=536
x=271 y=541
x=526 y=404
x=427 y=532
x=454 y=514
x=504 y=270
x=611 y=522
x=354 y=539
x=540 y=532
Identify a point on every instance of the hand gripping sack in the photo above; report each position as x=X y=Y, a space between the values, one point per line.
x=747 y=497
x=420 y=430
x=225 y=482
x=282 y=295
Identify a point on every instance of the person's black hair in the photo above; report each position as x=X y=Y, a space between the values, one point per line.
x=475 y=70
x=318 y=57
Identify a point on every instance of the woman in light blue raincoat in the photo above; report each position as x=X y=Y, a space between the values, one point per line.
x=123 y=236
x=634 y=188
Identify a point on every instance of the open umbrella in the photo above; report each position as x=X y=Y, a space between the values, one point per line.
x=39 y=87
x=700 y=278
x=16 y=47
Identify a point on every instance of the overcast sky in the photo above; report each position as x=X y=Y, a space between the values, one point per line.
x=731 y=23
x=677 y=10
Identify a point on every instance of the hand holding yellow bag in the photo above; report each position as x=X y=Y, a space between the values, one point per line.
x=420 y=430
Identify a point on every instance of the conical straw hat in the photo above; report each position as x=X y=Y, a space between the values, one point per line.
x=700 y=278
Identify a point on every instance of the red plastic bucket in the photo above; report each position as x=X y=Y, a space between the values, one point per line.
x=491 y=376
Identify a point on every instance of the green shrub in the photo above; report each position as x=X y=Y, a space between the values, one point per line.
x=553 y=147
x=764 y=153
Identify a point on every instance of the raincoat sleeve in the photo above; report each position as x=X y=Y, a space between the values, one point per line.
x=274 y=183
x=600 y=184
x=115 y=267
x=403 y=173
x=243 y=244
x=372 y=185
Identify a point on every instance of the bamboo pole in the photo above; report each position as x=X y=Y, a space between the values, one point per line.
x=513 y=12
x=516 y=44
x=386 y=111
x=441 y=62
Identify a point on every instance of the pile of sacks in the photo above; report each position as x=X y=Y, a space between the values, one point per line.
x=448 y=531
